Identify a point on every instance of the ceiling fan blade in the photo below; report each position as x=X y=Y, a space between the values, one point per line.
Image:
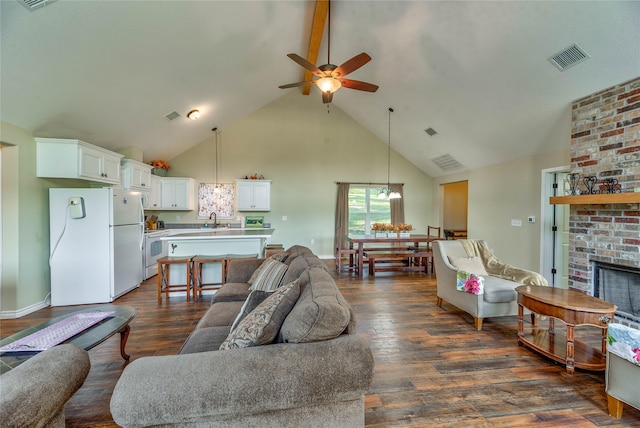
x=353 y=64
x=306 y=64
x=358 y=85
x=293 y=85
x=327 y=97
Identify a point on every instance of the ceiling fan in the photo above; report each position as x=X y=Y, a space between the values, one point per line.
x=330 y=77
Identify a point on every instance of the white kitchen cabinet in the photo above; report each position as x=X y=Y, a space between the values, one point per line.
x=253 y=195
x=136 y=175
x=65 y=158
x=177 y=193
x=155 y=195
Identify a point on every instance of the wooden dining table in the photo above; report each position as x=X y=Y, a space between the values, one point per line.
x=360 y=242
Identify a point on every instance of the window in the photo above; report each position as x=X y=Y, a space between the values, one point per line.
x=365 y=209
x=218 y=198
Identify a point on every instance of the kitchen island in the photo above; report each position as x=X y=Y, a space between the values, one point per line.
x=223 y=242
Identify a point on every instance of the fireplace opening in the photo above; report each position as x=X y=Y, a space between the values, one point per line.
x=619 y=285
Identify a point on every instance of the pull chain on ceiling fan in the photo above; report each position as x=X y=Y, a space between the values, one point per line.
x=331 y=77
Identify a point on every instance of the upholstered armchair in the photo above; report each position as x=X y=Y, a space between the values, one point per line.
x=623 y=368
x=496 y=295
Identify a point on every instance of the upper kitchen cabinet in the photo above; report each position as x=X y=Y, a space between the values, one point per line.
x=155 y=196
x=136 y=175
x=253 y=195
x=177 y=193
x=64 y=158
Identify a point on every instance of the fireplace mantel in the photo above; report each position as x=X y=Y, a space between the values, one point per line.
x=606 y=198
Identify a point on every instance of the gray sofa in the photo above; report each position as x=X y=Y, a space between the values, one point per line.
x=35 y=392
x=315 y=373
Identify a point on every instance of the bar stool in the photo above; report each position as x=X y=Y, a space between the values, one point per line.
x=198 y=284
x=237 y=256
x=164 y=282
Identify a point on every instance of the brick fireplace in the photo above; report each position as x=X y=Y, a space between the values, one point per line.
x=605 y=143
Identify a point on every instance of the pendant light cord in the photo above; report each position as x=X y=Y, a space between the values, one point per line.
x=329 y=34
x=389 y=153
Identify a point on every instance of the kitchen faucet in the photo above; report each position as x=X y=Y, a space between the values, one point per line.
x=215 y=219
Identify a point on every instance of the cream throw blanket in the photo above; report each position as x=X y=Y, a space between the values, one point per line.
x=495 y=267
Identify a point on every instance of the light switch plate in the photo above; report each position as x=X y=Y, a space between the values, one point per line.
x=516 y=222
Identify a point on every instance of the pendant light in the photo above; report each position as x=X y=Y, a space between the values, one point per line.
x=216 y=187
x=386 y=193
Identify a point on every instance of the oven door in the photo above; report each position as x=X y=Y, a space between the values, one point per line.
x=154 y=249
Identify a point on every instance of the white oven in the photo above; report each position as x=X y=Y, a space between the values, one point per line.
x=154 y=248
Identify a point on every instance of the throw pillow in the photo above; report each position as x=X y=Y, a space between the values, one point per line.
x=253 y=300
x=469 y=264
x=469 y=282
x=268 y=276
x=262 y=324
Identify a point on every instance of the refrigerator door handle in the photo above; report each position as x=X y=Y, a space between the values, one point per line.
x=141 y=237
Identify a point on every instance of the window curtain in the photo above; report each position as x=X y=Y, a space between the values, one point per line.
x=342 y=214
x=397 y=205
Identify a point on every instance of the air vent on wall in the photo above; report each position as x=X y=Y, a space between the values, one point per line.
x=447 y=163
x=569 y=57
x=35 y=4
x=173 y=115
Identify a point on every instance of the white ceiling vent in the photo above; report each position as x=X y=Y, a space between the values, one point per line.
x=35 y=4
x=447 y=163
x=569 y=57
x=431 y=131
x=173 y=115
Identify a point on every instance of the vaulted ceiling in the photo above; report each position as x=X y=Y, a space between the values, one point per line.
x=108 y=72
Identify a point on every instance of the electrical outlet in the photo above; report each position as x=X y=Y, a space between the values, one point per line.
x=313 y=241
x=284 y=218
x=178 y=217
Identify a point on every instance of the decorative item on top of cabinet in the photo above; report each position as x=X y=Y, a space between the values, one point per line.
x=66 y=158
x=177 y=193
x=253 y=195
x=136 y=175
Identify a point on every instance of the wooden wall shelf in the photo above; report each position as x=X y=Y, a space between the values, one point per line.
x=608 y=198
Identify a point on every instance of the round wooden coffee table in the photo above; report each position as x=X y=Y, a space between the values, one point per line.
x=573 y=308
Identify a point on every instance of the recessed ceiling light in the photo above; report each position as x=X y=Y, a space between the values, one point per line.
x=194 y=114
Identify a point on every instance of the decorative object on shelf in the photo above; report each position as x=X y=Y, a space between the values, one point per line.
x=254 y=177
x=610 y=185
x=574 y=181
x=254 y=221
x=160 y=167
x=590 y=182
x=386 y=193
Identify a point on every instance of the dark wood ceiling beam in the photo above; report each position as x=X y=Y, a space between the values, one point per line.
x=317 y=30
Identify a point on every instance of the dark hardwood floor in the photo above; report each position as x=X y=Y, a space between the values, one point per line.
x=433 y=369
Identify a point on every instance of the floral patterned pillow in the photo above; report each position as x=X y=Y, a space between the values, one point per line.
x=469 y=283
x=624 y=342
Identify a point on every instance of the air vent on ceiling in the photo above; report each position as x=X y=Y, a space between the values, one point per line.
x=569 y=57
x=447 y=163
x=173 y=115
x=431 y=131
x=35 y=4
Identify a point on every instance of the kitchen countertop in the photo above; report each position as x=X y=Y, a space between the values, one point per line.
x=206 y=233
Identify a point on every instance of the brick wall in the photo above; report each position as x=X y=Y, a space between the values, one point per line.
x=605 y=142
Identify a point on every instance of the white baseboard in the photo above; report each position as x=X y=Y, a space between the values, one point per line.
x=6 y=315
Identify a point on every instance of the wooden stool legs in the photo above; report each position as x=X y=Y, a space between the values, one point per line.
x=164 y=280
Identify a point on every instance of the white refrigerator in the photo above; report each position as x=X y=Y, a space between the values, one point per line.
x=95 y=244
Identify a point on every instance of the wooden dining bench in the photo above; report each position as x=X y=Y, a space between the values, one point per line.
x=393 y=261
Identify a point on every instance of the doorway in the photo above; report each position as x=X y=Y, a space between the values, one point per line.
x=454 y=209
x=554 y=229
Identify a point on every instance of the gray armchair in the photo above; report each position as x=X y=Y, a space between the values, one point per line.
x=35 y=392
x=499 y=296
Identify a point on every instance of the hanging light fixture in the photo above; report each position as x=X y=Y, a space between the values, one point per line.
x=386 y=193
x=216 y=187
x=194 y=114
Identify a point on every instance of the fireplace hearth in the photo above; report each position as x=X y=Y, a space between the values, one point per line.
x=619 y=285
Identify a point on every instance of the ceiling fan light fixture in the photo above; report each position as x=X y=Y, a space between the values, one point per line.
x=194 y=114
x=328 y=84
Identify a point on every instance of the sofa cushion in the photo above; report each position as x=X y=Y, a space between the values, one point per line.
x=261 y=326
x=498 y=290
x=204 y=340
x=253 y=300
x=469 y=264
x=297 y=251
x=231 y=292
x=321 y=313
x=220 y=314
x=299 y=265
x=268 y=276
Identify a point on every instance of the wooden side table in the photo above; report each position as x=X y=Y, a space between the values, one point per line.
x=573 y=308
